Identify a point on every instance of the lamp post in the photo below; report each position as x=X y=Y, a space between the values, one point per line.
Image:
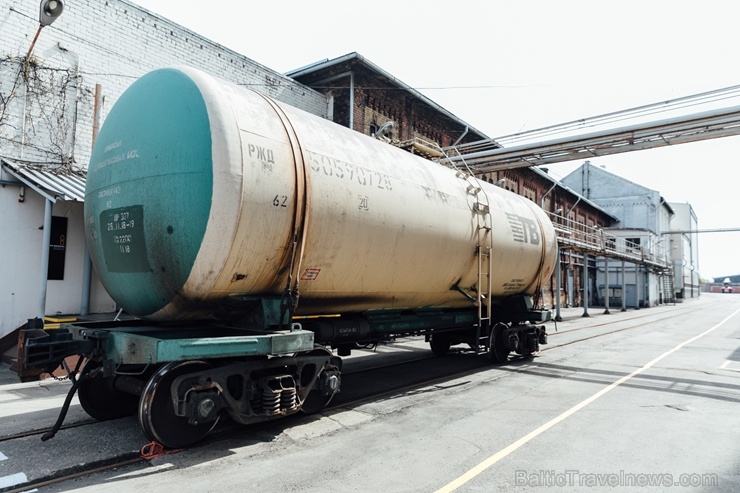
x=49 y=10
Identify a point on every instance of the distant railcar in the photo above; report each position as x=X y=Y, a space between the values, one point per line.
x=726 y=286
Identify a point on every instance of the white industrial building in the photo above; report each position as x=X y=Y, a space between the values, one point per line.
x=684 y=250
x=79 y=66
x=646 y=219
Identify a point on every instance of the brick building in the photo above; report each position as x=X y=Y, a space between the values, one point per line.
x=364 y=97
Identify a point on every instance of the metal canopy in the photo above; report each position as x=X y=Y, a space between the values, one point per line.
x=488 y=156
x=53 y=184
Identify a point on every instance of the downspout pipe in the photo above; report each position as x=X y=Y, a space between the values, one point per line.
x=574 y=205
x=542 y=200
x=606 y=285
x=45 y=242
x=584 y=287
x=352 y=100
x=333 y=78
x=86 y=261
x=86 y=282
x=558 y=288
x=624 y=288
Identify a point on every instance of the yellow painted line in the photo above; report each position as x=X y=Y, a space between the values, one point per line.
x=488 y=463
x=59 y=320
x=305 y=317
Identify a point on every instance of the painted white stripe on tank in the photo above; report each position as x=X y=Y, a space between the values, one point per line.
x=249 y=230
x=227 y=190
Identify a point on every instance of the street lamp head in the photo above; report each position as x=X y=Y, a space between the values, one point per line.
x=49 y=11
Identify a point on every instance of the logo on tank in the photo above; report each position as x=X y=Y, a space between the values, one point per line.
x=310 y=274
x=525 y=230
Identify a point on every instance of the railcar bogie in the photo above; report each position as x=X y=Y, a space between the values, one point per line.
x=180 y=383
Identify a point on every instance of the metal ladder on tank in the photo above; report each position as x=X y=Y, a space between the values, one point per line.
x=483 y=252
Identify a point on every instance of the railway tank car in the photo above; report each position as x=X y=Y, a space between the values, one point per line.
x=248 y=237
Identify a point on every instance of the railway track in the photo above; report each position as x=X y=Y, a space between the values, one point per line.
x=31 y=433
x=361 y=384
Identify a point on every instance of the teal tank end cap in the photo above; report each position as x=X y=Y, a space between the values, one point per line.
x=149 y=190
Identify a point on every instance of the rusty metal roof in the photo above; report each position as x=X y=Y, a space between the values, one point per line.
x=54 y=183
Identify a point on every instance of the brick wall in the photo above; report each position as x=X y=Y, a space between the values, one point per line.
x=377 y=100
x=103 y=42
x=413 y=118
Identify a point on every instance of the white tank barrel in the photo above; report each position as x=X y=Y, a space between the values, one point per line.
x=200 y=191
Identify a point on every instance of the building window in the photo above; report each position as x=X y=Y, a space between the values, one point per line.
x=57 y=248
x=633 y=245
x=529 y=193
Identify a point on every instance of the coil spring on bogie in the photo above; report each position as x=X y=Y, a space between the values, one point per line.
x=271 y=401
x=279 y=394
x=256 y=404
x=289 y=399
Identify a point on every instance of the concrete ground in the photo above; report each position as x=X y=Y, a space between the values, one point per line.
x=643 y=400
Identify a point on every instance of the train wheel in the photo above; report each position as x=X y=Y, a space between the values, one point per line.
x=327 y=384
x=100 y=399
x=497 y=349
x=157 y=413
x=440 y=344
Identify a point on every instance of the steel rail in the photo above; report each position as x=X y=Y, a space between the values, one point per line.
x=30 y=433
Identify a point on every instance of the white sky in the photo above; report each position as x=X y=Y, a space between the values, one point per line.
x=509 y=66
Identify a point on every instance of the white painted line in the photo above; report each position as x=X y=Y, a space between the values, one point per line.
x=45 y=384
x=726 y=366
x=22 y=398
x=488 y=463
x=32 y=405
x=13 y=479
x=3 y=456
